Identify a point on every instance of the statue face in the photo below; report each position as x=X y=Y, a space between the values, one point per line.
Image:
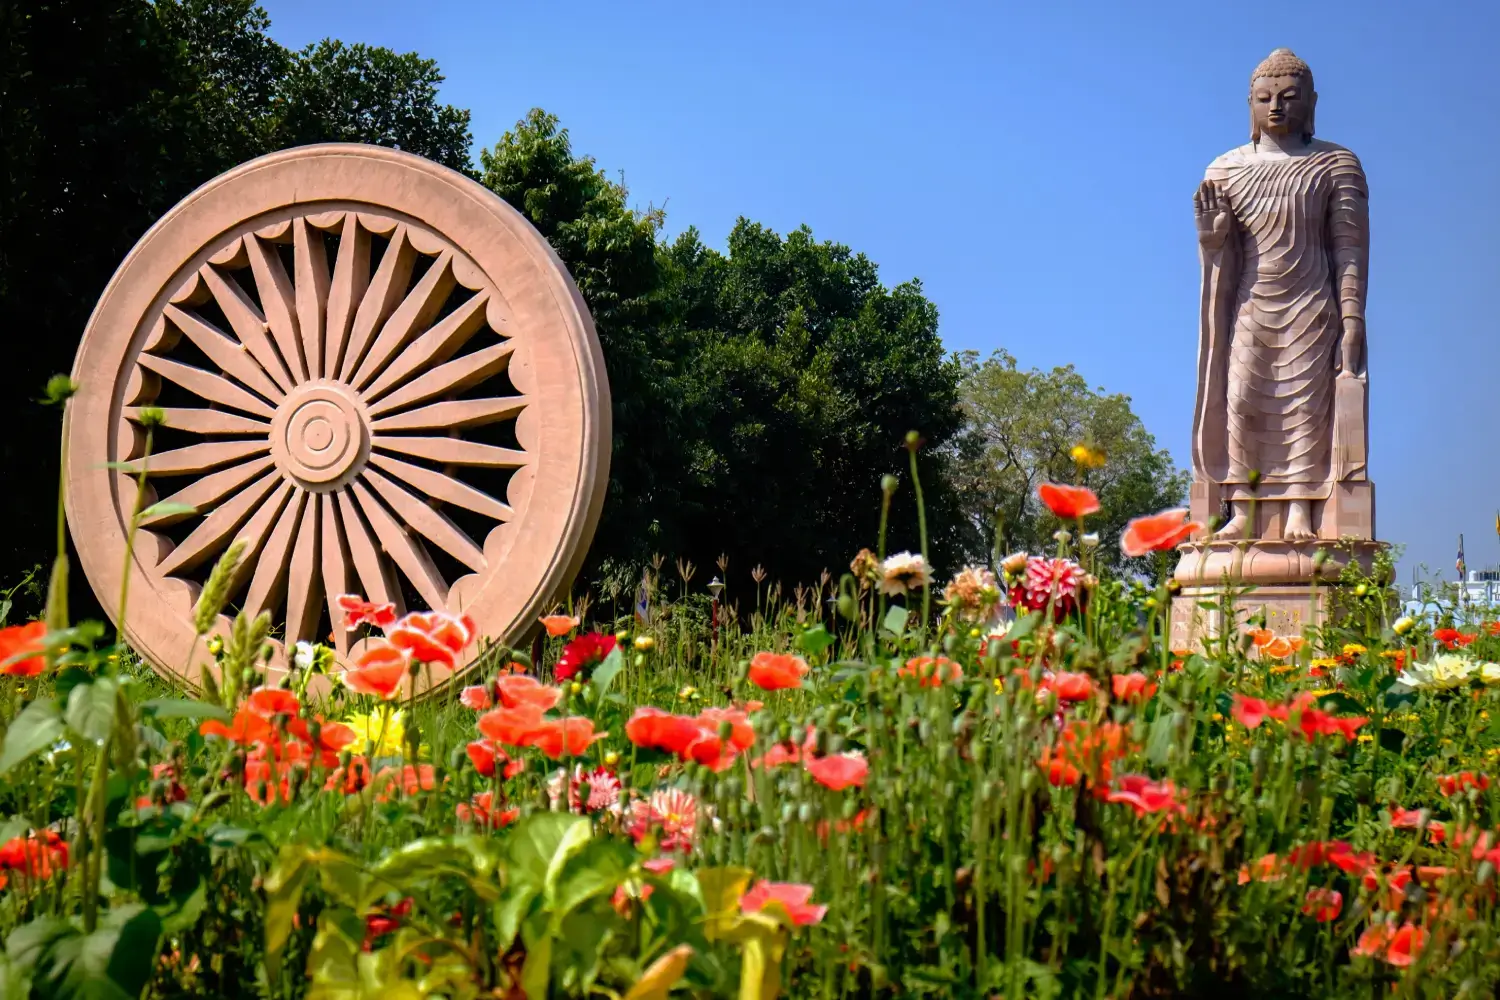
x=1281 y=105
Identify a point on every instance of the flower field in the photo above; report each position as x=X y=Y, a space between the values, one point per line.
x=1006 y=784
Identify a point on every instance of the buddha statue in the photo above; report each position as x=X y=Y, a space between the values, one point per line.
x=1283 y=234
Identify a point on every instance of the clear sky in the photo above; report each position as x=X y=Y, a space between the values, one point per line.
x=1034 y=165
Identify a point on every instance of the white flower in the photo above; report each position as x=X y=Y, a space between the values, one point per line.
x=1401 y=626
x=303 y=657
x=1062 y=536
x=1442 y=672
x=902 y=572
x=1489 y=673
x=1090 y=540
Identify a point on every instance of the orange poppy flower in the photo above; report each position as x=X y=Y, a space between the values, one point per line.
x=565 y=737
x=358 y=611
x=1157 y=532
x=741 y=733
x=245 y=728
x=1278 y=648
x=1068 y=686
x=932 y=671
x=378 y=671
x=1396 y=946
x=350 y=780
x=777 y=671
x=268 y=702
x=839 y=770
x=515 y=690
x=481 y=811
x=557 y=625
x=1132 y=687
x=1261 y=637
x=434 y=637
x=1068 y=502
x=511 y=726
x=654 y=729
x=410 y=780
x=21 y=649
x=488 y=756
x=477 y=697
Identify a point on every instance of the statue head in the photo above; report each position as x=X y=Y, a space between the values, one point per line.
x=1282 y=98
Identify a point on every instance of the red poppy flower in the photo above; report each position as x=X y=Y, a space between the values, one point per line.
x=1452 y=638
x=481 y=811
x=568 y=737
x=333 y=738
x=583 y=654
x=932 y=671
x=1315 y=722
x=1146 y=796
x=1132 y=687
x=838 y=771
x=652 y=728
x=1323 y=904
x=476 y=697
x=1059 y=770
x=1267 y=868
x=777 y=671
x=511 y=726
x=410 y=780
x=268 y=782
x=1398 y=946
x=788 y=752
x=557 y=625
x=1068 y=502
x=38 y=854
x=1157 y=532
x=487 y=755
x=245 y=728
x=350 y=780
x=1454 y=784
x=21 y=649
x=1067 y=686
x=792 y=898
x=1249 y=712
x=515 y=690
x=358 y=611
x=378 y=671
x=434 y=637
x=741 y=733
x=267 y=702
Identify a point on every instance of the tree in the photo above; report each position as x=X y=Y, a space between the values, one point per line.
x=113 y=111
x=807 y=375
x=1020 y=428
x=611 y=251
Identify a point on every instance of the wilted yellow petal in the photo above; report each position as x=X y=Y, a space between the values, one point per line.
x=662 y=975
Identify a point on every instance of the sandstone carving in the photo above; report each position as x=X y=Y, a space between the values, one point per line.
x=374 y=372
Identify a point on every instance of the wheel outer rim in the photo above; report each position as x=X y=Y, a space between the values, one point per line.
x=563 y=367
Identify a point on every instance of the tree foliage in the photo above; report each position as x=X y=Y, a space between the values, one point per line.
x=113 y=110
x=1020 y=428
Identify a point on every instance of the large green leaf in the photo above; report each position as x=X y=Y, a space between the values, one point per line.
x=91 y=709
x=595 y=870
x=182 y=708
x=284 y=887
x=133 y=955
x=536 y=841
x=605 y=673
x=722 y=889
x=37 y=727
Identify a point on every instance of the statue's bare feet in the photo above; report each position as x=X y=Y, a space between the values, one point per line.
x=1234 y=530
x=1298 y=523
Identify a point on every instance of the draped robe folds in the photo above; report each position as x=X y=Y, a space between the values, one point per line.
x=1274 y=299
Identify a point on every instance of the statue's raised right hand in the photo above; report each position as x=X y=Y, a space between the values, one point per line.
x=1211 y=211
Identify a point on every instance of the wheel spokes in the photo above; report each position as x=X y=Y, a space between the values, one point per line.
x=435 y=346
x=454 y=413
x=445 y=488
x=454 y=376
x=276 y=300
x=430 y=523
x=207 y=385
x=248 y=323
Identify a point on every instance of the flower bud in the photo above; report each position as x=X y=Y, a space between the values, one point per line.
x=888 y=484
x=644 y=643
x=1062 y=536
x=1089 y=540
x=1404 y=625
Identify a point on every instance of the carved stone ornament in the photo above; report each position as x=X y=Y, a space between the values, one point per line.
x=374 y=372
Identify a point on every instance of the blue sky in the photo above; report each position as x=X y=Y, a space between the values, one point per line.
x=1034 y=167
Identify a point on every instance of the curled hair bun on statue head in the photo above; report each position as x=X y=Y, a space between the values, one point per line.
x=1282 y=62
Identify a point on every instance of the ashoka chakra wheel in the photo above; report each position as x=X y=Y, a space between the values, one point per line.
x=374 y=372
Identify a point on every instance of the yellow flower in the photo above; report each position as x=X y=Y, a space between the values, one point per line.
x=379 y=734
x=1366 y=737
x=1283 y=668
x=1218 y=716
x=1354 y=649
x=1089 y=458
x=999 y=685
x=1325 y=662
x=1320 y=692
x=644 y=643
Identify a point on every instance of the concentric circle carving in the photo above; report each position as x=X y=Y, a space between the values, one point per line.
x=374 y=373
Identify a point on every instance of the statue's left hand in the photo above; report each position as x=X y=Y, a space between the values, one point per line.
x=1351 y=346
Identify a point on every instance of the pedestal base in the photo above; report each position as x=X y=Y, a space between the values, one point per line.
x=1279 y=576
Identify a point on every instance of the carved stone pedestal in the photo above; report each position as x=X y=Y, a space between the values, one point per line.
x=1279 y=573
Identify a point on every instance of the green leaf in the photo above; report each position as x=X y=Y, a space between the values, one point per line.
x=283 y=888
x=605 y=673
x=721 y=889
x=895 y=619
x=91 y=709
x=1023 y=626
x=1159 y=740
x=166 y=508
x=333 y=961
x=816 y=639
x=595 y=870
x=342 y=878
x=536 y=841
x=37 y=727
x=182 y=708
x=133 y=956
x=537 y=971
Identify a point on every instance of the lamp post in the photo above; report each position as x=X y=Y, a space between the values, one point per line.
x=715 y=588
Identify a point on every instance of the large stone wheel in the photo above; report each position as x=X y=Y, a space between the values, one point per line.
x=373 y=370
